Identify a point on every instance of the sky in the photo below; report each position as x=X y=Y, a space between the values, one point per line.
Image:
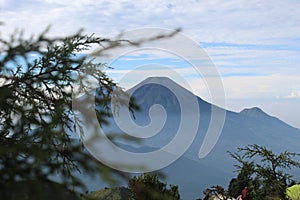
x=254 y=45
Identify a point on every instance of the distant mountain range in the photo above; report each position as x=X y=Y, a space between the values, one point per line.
x=193 y=175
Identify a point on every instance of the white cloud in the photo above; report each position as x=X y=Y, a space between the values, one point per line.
x=213 y=21
x=293 y=95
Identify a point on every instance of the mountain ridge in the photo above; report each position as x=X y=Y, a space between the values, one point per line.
x=254 y=111
x=193 y=175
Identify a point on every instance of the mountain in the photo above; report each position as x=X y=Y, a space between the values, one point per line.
x=160 y=90
x=192 y=174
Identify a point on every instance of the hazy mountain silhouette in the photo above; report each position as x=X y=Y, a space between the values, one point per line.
x=193 y=175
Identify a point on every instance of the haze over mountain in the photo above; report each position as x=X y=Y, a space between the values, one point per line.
x=193 y=175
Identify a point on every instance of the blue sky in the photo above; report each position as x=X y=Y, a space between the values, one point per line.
x=255 y=45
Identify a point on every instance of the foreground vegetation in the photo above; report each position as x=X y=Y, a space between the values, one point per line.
x=263 y=171
x=146 y=186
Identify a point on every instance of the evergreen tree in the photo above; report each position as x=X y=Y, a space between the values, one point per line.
x=36 y=117
x=264 y=171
